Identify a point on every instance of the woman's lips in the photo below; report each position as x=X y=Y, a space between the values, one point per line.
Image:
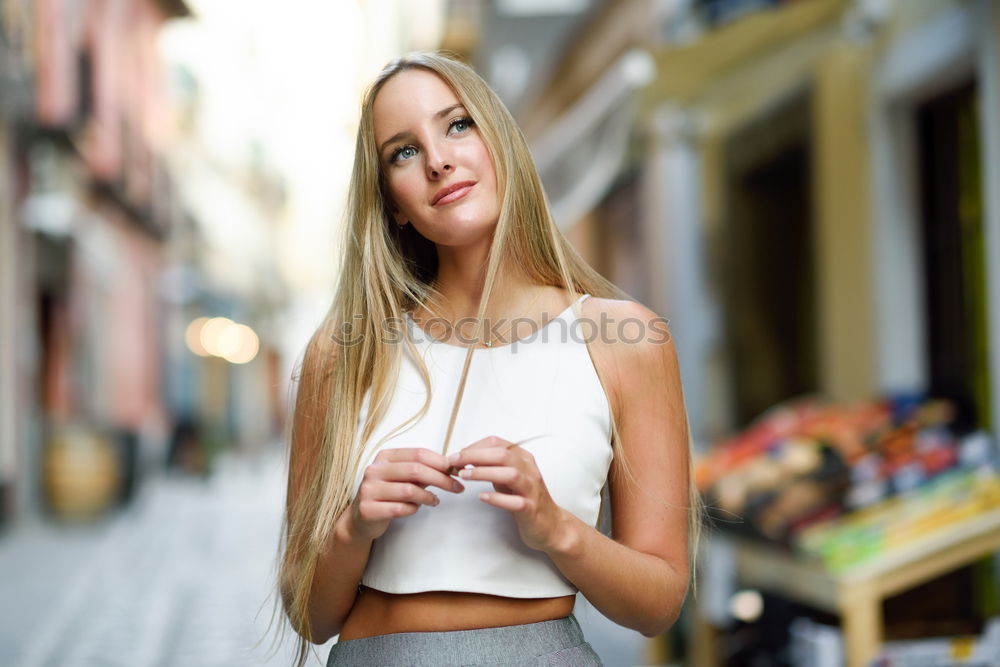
x=452 y=193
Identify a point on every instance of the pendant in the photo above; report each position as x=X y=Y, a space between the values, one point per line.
x=489 y=343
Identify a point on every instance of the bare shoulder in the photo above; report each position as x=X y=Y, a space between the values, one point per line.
x=626 y=326
x=621 y=308
x=632 y=344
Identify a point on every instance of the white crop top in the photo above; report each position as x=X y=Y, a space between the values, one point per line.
x=545 y=384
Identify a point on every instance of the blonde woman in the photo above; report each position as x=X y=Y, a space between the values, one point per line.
x=473 y=389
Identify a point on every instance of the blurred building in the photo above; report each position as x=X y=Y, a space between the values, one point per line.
x=88 y=203
x=826 y=179
x=223 y=289
x=16 y=66
x=839 y=155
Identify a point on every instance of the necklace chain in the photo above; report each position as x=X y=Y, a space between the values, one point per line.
x=489 y=341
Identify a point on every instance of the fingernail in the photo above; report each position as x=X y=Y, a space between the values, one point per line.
x=455 y=486
x=436 y=501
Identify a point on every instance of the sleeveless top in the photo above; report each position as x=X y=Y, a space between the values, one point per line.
x=541 y=385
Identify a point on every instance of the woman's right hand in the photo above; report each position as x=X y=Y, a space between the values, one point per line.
x=395 y=484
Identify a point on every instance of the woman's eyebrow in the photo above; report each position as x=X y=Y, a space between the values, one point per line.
x=399 y=136
x=405 y=134
x=447 y=110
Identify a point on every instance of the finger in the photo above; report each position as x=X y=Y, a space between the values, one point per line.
x=507 y=476
x=403 y=492
x=415 y=473
x=458 y=459
x=507 y=501
x=493 y=455
x=419 y=454
x=374 y=510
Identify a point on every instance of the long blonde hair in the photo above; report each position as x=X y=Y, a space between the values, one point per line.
x=386 y=270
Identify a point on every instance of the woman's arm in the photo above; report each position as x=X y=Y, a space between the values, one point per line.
x=394 y=485
x=335 y=582
x=638 y=579
x=345 y=556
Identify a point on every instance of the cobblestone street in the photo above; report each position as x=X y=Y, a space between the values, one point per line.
x=181 y=578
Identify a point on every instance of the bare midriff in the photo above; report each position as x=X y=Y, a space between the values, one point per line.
x=378 y=613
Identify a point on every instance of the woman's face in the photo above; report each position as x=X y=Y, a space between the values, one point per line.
x=437 y=167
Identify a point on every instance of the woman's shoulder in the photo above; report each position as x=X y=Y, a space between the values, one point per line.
x=630 y=341
x=617 y=308
x=625 y=325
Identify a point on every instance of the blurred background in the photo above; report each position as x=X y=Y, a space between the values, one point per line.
x=808 y=190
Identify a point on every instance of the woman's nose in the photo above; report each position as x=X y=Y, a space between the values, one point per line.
x=438 y=163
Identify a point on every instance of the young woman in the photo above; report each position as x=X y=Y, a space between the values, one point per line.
x=451 y=437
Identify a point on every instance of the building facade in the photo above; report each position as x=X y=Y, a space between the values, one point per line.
x=87 y=203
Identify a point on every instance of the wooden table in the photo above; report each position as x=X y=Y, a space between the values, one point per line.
x=856 y=595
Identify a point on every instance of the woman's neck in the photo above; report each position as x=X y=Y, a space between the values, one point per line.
x=461 y=281
x=462 y=300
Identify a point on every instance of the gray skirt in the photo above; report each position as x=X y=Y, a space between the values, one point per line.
x=549 y=643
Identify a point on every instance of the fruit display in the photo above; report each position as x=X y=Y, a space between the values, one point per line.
x=957 y=495
x=846 y=481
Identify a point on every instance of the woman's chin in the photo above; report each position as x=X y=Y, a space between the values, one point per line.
x=462 y=235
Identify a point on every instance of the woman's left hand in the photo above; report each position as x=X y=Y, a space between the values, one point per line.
x=518 y=488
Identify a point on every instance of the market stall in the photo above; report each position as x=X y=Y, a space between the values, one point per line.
x=841 y=507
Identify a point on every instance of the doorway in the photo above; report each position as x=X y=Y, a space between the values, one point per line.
x=951 y=216
x=768 y=267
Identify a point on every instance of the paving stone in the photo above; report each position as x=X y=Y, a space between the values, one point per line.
x=176 y=579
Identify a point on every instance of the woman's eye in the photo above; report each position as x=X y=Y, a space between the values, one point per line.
x=404 y=153
x=461 y=124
